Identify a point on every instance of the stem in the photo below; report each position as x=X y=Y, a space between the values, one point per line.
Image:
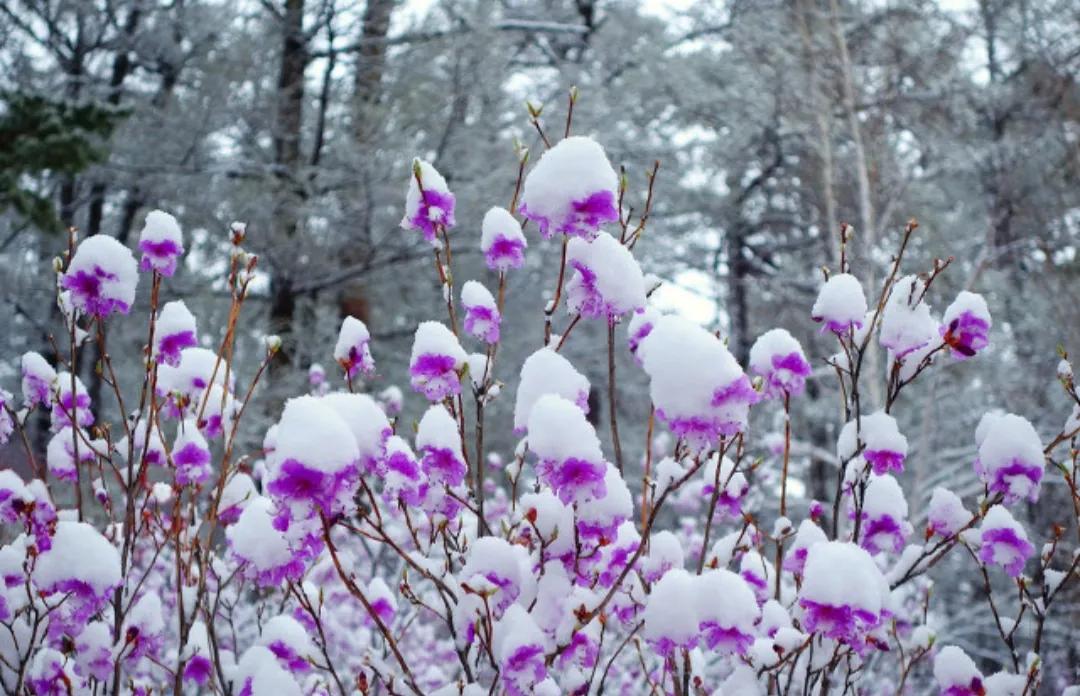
x=783 y=486
x=611 y=395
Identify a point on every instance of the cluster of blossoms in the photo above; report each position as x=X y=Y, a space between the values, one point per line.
x=355 y=552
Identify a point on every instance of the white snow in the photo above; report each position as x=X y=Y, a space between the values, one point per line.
x=547 y=372
x=946 y=512
x=952 y=667
x=103 y=253
x=839 y=573
x=79 y=552
x=254 y=539
x=364 y=418
x=311 y=432
x=906 y=324
x=617 y=277
x=840 y=301
x=558 y=431
x=354 y=336
x=571 y=171
x=670 y=612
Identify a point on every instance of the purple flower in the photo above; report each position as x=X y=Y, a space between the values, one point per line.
x=607 y=281
x=843 y=622
x=840 y=305
x=572 y=190
x=1004 y=541
x=198 y=669
x=77 y=403
x=883 y=533
x=727 y=639
x=429 y=205
x=191 y=456
x=101 y=277
x=574 y=479
x=481 y=313
x=778 y=358
x=966 y=325
x=37 y=379
x=523 y=668
x=1011 y=458
x=436 y=359
x=502 y=241
x=296 y=481
x=353 y=349
x=161 y=243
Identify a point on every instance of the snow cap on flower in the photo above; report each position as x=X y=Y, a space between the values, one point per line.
x=733 y=486
x=101 y=277
x=315 y=458
x=14 y=496
x=190 y=455
x=843 y=592
x=566 y=444
x=38 y=377
x=840 y=304
x=607 y=281
x=884 y=511
x=548 y=372
x=437 y=356
x=144 y=628
x=289 y=641
x=428 y=202
x=665 y=553
x=260 y=674
x=49 y=674
x=884 y=446
x=1011 y=459
x=82 y=564
x=966 y=325
x=368 y=424
x=807 y=535
x=1004 y=541
x=60 y=454
x=198 y=667
x=353 y=348
x=779 y=359
x=263 y=549
x=521 y=648
x=957 y=674
x=175 y=331
x=639 y=327
x=502 y=240
x=698 y=388
x=193 y=374
x=945 y=515
x=600 y=517
x=906 y=324
x=403 y=479
x=239 y=490
x=439 y=441
x=671 y=618
x=572 y=190
x=161 y=243
x=727 y=626
x=493 y=568
x=67 y=403
x=481 y=313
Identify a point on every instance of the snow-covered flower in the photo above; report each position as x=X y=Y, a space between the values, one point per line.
x=966 y=325
x=671 y=618
x=1011 y=459
x=906 y=324
x=946 y=515
x=239 y=490
x=726 y=626
x=732 y=484
x=315 y=459
x=261 y=548
x=353 y=348
x=521 y=652
x=439 y=442
x=190 y=455
x=494 y=568
x=368 y=424
x=548 y=372
x=403 y=478
x=144 y=628
x=289 y=641
x=840 y=304
x=60 y=454
x=175 y=331
x=639 y=327
x=502 y=240
x=161 y=243
x=571 y=462
x=198 y=668
x=1004 y=541
x=481 y=313
x=437 y=357
x=82 y=564
x=843 y=592
x=807 y=535
x=572 y=190
x=884 y=446
x=38 y=377
x=68 y=402
x=101 y=277
x=957 y=674
x=885 y=526
x=779 y=359
x=698 y=388
x=607 y=281
x=428 y=202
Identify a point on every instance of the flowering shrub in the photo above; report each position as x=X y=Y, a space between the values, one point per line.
x=357 y=554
